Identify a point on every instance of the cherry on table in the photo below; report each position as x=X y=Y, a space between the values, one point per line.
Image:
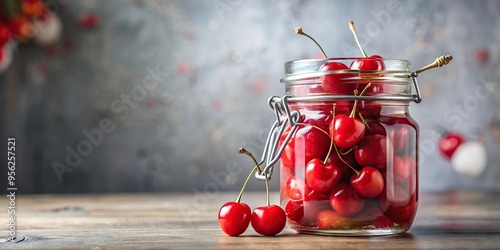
x=345 y=201
x=449 y=143
x=268 y=220
x=369 y=183
x=234 y=218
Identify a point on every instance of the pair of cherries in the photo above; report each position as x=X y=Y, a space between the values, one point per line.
x=235 y=217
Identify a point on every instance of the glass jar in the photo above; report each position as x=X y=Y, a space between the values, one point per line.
x=348 y=147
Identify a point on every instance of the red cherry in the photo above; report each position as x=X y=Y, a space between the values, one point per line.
x=411 y=165
x=307 y=143
x=287 y=157
x=4 y=34
x=395 y=194
x=345 y=201
x=449 y=143
x=374 y=62
x=329 y=219
x=311 y=210
x=234 y=218
x=32 y=8
x=372 y=150
x=345 y=170
x=336 y=83
x=88 y=21
x=321 y=177
x=402 y=214
x=399 y=137
x=402 y=169
x=371 y=217
x=295 y=188
x=375 y=127
x=482 y=55
x=369 y=109
x=382 y=221
x=369 y=183
x=294 y=210
x=268 y=220
x=20 y=27
x=346 y=131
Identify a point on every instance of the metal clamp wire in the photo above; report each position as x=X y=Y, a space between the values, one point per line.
x=418 y=97
x=271 y=152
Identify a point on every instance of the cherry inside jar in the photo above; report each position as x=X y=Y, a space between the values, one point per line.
x=351 y=164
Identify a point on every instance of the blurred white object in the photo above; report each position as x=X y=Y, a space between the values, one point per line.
x=469 y=158
x=48 y=31
x=6 y=58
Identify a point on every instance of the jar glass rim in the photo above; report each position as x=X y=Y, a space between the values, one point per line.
x=305 y=68
x=314 y=65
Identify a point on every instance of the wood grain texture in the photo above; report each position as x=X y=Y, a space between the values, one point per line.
x=452 y=220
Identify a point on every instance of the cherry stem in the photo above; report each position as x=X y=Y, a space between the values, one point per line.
x=267 y=192
x=348 y=151
x=351 y=27
x=340 y=157
x=256 y=168
x=245 y=184
x=332 y=144
x=299 y=31
x=353 y=112
x=245 y=152
x=364 y=121
x=331 y=138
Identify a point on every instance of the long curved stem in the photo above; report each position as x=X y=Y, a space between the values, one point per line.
x=299 y=31
x=364 y=121
x=353 y=30
x=267 y=193
x=245 y=152
x=245 y=184
x=353 y=112
x=340 y=157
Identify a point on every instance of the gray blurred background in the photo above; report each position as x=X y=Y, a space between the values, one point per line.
x=210 y=67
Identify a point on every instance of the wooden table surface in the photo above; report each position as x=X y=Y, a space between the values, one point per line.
x=451 y=220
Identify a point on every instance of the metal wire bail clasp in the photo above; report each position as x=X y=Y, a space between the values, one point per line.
x=272 y=149
x=439 y=62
